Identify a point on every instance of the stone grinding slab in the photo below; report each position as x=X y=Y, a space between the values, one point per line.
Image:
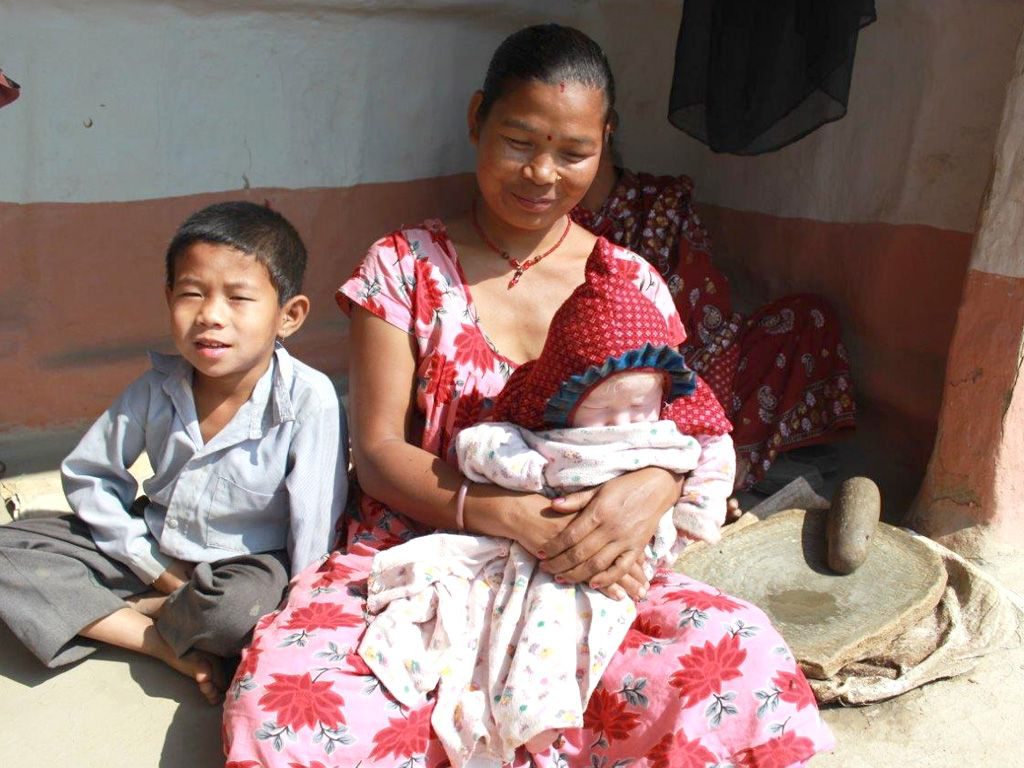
x=829 y=620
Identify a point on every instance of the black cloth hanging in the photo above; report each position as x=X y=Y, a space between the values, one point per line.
x=752 y=76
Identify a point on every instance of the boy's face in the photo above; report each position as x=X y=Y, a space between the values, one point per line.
x=624 y=398
x=225 y=316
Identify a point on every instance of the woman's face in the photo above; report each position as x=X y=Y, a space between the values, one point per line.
x=538 y=150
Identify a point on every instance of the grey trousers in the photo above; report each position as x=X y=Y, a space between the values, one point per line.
x=54 y=581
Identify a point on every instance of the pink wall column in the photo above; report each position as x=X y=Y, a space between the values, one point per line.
x=971 y=496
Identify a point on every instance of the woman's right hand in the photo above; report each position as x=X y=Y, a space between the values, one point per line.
x=526 y=518
x=530 y=520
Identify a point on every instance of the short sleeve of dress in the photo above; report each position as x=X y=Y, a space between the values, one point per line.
x=652 y=285
x=383 y=283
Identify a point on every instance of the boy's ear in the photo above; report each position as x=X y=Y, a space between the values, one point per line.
x=292 y=316
x=168 y=294
x=472 y=118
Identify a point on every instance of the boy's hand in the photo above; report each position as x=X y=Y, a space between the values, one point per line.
x=176 y=575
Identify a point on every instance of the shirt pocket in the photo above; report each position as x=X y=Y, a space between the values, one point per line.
x=246 y=521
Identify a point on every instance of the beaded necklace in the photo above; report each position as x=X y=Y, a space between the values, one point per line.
x=519 y=266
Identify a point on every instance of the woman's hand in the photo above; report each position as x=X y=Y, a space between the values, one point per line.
x=527 y=518
x=604 y=544
x=532 y=522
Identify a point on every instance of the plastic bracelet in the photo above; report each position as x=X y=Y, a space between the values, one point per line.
x=460 y=505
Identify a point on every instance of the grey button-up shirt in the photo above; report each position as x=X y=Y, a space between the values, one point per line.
x=273 y=478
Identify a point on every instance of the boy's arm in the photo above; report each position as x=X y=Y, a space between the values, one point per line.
x=100 y=489
x=317 y=482
x=700 y=511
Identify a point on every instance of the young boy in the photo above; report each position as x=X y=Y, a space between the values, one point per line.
x=248 y=449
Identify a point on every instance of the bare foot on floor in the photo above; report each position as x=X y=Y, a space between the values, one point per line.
x=208 y=672
x=732 y=510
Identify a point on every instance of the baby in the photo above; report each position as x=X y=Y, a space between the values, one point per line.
x=609 y=394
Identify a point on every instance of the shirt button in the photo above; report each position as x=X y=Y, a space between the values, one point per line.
x=172 y=523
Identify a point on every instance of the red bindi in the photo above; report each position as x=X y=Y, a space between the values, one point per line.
x=561 y=87
x=549 y=137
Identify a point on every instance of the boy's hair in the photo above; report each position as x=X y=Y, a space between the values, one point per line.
x=254 y=230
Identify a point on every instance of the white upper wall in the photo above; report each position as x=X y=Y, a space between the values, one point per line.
x=135 y=99
x=999 y=246
x=128 y=100
x=915 y=147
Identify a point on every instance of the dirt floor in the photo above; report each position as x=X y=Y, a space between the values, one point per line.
x=115 y=710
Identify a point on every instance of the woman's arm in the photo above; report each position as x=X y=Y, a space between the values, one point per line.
x=382 y=380
x=605 y=542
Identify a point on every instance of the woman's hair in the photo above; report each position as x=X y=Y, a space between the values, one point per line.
x=551 y=54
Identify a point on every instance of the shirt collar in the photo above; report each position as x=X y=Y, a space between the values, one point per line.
x=253 y=416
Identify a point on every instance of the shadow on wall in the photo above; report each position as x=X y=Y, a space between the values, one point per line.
x=68 y=348
x=895 y=287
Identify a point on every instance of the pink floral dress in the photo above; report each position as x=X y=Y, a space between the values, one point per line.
x=702 y=679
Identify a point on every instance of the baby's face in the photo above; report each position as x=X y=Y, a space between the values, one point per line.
x=622 y=399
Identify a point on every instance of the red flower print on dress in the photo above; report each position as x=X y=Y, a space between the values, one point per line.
x=706 y=667
x=314 y=764
x=250 y=658
x=607 y=715
x=677 y=751
x=243 y=764
x=661 y=577
x=403 y=736
x=374 y=308
x=468 y=410
x=400 y=244
x=299 y=701
x=440 y=378
x=361 y=272
x=703 y=601
x=359 y=667
x=644 y=630
x=794 y=689
x=471 y=349
x=331 y=572
x=427 y=297
x=322 y=615
x=782 y=752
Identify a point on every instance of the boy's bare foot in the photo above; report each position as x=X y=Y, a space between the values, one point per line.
x=129 y=629
x=206 y=670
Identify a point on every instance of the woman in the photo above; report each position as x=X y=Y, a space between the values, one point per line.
x=781 y=374
x=441 y=315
